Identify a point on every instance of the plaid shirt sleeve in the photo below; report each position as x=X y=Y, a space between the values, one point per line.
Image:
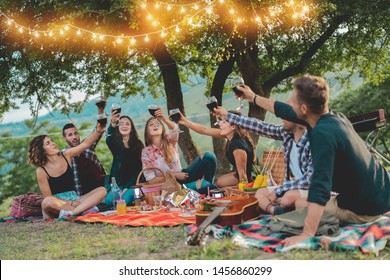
x=257 y=126
x=76 y=181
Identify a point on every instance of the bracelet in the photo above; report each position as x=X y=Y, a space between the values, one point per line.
x=100 y=132
x=254 y=99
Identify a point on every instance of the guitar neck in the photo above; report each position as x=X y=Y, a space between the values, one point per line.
x=216 y=212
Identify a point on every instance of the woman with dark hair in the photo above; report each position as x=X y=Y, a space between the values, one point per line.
x=55 y=177
x=239 y=149
x=126 y=148
x=161 y=151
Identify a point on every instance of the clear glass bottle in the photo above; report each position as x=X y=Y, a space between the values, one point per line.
x=114 y=192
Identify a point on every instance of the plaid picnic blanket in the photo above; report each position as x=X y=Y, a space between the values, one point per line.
x=160 y=218
x=369 y=237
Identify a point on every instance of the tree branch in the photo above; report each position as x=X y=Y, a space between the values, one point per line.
x=306 y=57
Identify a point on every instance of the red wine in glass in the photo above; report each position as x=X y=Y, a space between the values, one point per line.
x=212 y=103
x=118 y=110
x=152 y=109
x=238 y=81
x=174 y=115
x=102 y=119
x=100 y=102
x=237 y=91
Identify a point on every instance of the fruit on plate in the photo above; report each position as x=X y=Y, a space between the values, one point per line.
x=242 y=185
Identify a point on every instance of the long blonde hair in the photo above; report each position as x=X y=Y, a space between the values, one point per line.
x=165 y=143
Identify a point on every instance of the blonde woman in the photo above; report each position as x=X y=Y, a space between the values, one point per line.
x=161 y=151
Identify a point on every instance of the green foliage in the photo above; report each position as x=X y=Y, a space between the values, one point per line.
x=18 y=176
x=366 y=99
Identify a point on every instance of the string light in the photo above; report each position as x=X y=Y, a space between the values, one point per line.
x=199 y=9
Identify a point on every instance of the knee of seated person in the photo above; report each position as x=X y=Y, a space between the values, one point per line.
x=102 y=191
x=261 y=192
x=209 y=156
x=48 y=202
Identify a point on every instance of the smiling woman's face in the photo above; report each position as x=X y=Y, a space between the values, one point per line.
x=125 y=126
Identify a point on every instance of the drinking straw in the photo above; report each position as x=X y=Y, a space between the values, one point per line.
x=121 y=193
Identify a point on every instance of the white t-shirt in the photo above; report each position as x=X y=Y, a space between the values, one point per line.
x=294 y=163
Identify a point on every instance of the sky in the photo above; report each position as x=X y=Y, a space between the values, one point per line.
x=24 y=111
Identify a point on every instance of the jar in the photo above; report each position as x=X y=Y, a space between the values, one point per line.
x=121 y=207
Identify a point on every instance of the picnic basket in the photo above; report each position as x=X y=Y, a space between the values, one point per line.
x=278 y=168
x=149 y=189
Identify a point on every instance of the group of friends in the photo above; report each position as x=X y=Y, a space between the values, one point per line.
x=328 y=166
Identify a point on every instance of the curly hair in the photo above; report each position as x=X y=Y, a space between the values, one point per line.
x=36 y=153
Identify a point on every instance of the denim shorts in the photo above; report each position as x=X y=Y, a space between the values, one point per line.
x=69 y=195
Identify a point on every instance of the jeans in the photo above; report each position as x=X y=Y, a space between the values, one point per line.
x=128 y=196
x=202 y=168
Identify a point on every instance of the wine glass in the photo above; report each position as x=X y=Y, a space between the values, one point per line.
x=102 y=119
x=212 y=103
x=174 y=115
x=234 y=83
x=100 y=102
x=116 y=107
x=152 y=109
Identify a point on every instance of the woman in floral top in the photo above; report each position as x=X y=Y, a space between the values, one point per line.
x=161 y=152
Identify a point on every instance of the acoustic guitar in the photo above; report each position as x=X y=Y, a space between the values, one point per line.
x=223 y=211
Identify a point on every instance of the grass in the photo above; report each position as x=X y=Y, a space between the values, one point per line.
x=62 y=240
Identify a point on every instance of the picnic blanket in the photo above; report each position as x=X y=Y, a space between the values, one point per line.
x=369 y=237
x=161 y=218
x=39 y=219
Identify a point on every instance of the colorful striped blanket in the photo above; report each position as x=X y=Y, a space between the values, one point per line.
x=133 y=218
x=370 y=237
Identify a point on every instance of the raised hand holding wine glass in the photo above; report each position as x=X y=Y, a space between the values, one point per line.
x=212 y=103
x=152 y=109
x=236 y=81
x=100 y=103
x=175 y=116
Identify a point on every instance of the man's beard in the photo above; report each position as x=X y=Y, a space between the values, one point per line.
x=74 y=143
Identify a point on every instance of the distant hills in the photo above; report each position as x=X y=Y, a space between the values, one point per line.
x=136 y=108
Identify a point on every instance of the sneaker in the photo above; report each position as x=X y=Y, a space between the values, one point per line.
x=91 y=210
x=64 y=213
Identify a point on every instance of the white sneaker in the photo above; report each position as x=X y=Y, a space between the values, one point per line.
x=91 y=210
x=64 y=213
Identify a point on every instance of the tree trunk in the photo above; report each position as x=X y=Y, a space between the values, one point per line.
x=174 y=96
x=251 y=72
x=223 y=71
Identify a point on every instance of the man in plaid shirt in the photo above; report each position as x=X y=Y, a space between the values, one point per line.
x=297 y=158
x=87 y=170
